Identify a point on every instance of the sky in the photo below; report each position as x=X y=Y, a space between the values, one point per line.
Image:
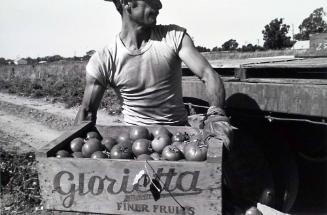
x=38 y=28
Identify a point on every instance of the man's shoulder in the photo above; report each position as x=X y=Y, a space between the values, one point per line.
x=105 y=51
x=169 y=34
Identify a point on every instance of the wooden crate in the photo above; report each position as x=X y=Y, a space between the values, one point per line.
x=106 y=185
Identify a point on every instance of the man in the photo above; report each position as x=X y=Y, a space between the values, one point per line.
x=143 y=65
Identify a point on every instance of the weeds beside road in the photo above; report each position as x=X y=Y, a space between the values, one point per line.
x=62 y=82
x=20 y=192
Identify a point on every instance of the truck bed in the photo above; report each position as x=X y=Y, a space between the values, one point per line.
x=283 y=85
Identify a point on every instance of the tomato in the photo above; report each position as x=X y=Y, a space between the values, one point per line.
x=124 y=138
x=195 y=152
x=78 y=155
x=141 y=146
x=62 y=154
x=93 y=134
x=253 y=211
x=91 y=145
x=155 y=156
x=160 y=131
x=108 y=143
x=139 y=132
x=171 y=153
x=180 y=145
x=160 y=142
x=179 y=137
x=120 y=152
x=76 y=144
x=144 y=157
x=98 y=155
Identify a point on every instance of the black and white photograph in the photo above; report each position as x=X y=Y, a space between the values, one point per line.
x=162 y=107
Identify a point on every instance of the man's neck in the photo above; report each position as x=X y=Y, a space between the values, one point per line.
x=134 y=36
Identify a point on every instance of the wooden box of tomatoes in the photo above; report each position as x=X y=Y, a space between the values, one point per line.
x=132 y=170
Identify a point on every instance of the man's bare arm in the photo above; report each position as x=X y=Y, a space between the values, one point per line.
x=201 y=68
x=91 y=100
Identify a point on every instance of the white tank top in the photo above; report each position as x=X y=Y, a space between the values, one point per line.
x=148 y=81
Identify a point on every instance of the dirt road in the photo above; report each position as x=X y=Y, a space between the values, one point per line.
x=26 y=124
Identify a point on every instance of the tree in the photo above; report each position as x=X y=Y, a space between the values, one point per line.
x=312 y=24
x=31 y=61
x=202 y=49
x=53 y=58
x=3 y=61
x=230 y=45
x=216 y=49
x=275 y=35
x=248 y=48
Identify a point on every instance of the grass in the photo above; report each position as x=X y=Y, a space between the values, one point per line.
x=20 y=192
x=63 y=82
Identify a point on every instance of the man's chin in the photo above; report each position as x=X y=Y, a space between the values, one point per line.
x=151 y=24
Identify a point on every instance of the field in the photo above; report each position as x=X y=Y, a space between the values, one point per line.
x=62 y=82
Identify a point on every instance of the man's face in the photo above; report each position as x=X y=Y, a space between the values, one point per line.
x=146 y=12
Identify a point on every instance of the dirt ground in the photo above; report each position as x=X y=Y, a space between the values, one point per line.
x=26 y=125
x=35 y=122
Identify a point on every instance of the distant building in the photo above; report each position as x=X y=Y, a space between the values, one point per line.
x=317 y=46
x=318 y=41
x=305 y=44
x=20 y=61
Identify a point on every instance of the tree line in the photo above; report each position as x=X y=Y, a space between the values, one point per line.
x=275 y=36
x=49 y=59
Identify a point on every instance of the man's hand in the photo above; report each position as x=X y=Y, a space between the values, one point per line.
x=216 y=124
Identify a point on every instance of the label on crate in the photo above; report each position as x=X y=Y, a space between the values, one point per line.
x=110 y=186
x=186 y=182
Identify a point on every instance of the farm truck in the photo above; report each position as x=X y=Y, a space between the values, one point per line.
x=279 y=107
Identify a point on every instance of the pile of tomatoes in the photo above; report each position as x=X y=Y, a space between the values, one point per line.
x=139 y=143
